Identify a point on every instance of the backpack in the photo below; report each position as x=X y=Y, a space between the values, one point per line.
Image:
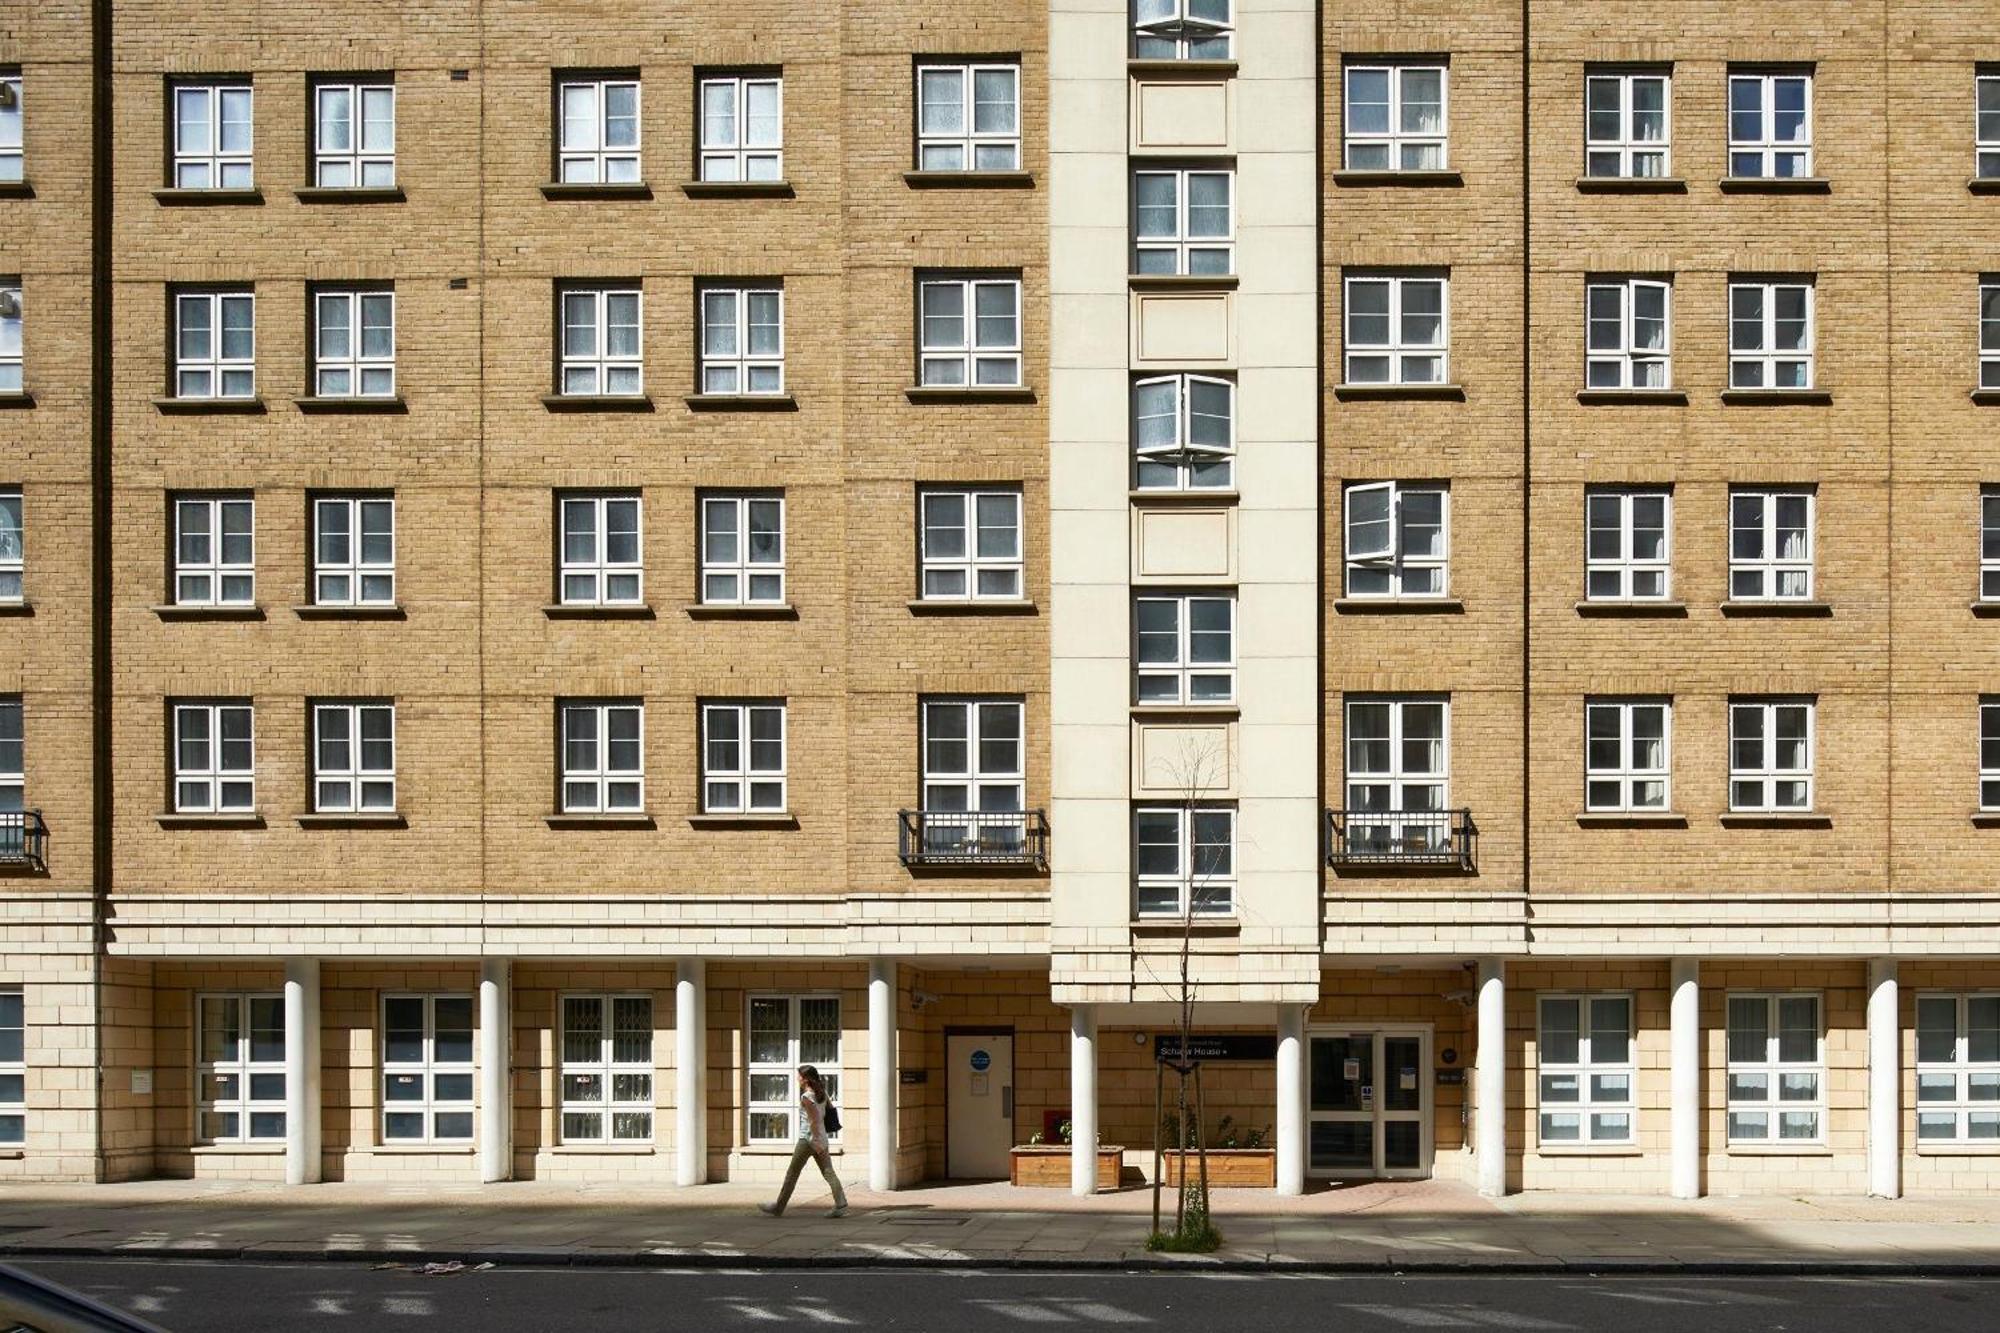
x=830 y=1118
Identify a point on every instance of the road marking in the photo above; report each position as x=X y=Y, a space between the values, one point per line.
x=1454 y=1316
x=410 y=1305
x=328 y=1305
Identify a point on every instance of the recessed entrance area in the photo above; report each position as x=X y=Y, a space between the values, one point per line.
x=1369 y=1102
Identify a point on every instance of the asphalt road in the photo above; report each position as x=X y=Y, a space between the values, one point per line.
x=249 y=1297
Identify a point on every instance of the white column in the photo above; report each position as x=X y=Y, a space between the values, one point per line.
x=882 y=1074
x=302 y=1157
x=496 y=1105
x=1490 y=1129
x=1082 y=1099
x=1684 y=1077
x=1885 y=1081
x=690 y=1075
x=1291 y=1130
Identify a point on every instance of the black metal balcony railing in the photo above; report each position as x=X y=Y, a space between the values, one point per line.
x=23 y=839
x=974 y=838
x=1444 y=838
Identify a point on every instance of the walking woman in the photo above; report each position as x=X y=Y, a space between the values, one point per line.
x=813 y=1108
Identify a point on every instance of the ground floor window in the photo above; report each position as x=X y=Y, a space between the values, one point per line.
x=1777 y=1069
x=787 y=1031
x=13 y=1069
x=607 y=1069
x=1588 y=1073
x=1958 y=1069
x=426 y=1068
x=241 y=1079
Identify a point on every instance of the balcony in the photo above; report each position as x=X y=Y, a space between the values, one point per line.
x=1445 y=840
x=23 y=839
x=1007 y=838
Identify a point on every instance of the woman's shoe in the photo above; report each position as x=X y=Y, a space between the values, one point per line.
x=769 y=1210
x=838 y=1210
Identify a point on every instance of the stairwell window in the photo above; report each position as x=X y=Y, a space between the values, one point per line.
x=212 y=136
x=1184 y=860
x=784 y=1032
x=427 y=1069
x=1771 y=755
x=240 y=1076
x=601 y=341
x=354 y=134
x=214 y=551
x=1770 y=545
x=1628 y=336
x=354 y=757
x=13 y=1068
x=1185 y=648
x=969 y=117
x=743 y=550
x=354 y=344
x=1586 y=1070
x=1395 y=117
x=1770 y=124
x=1986 y=126
x=1183 y=29
x=1184 y=221
x=354 y=550
x=1627 y=131
x=743 y=340
x=969 y=331
x=970 y=544
x=601 y=558
x=742 y=128
x=1628 y=536
x=1777 y=1069
x=1396 y=326
x=607 y=1069
x=215 y=344
x=598 y=131
x=1627 y=761
x=214 y=758
x=1958 y=1069
x=603 y=756
x=1397 y=539
x=743 y=758
x=13 y=550
x=1770 y=335
x=1184 y=433
x=11 y=161
x=11 y=363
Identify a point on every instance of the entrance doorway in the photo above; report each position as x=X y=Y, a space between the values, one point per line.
x=1369 y=1105
x=979 y=1104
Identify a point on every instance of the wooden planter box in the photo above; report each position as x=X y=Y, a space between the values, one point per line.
x=1040 y=1167
x=1228 y=1168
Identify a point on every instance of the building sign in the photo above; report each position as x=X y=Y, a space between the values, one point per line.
x=1217 y=1046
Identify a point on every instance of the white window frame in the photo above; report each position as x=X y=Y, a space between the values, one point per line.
x=1371 y=827
x=361 y=577
x=12 y=326
x=1771 y=570
x=1627 y=568
x=976 y=784
x=734 y=157
x=969 y=566
x=223 y=376
x=796 y=1054
x=744 y=579
x=1989 y=752
x=1588 y=1105
x=1626 y=773
x=13 y=758
x=1764 y=360
x=208 y=581
x=1767 y=149
x=1180 y=450
x=209 y=166
x=754 y=786
x=1396 y=352
x=12 y=120
x=1395 y=140
x=590 y=373
x=1626 y=153
x=598 y=569
x=976 y=149
x=1390 y=556
x=1989 y=544
x=1765 y=772
x=1989 y=324
x=591 y=783
x=965 y=355
x=369 y=373
x=14 y=1066
x=362 y=163
x=1176 y=252
x=214 y=786
x=598 y=161
x=240 y=1064
x=1622 y=362
x=345 y=781
x=426 y=1070
x=1173 y=30
x=1960 y=1111
x=730 y=365
x=1215 y=894
x=1181 y=675
x=13 y=544
x=613 y=1071
x=1781 y=1078
x=1986 y=136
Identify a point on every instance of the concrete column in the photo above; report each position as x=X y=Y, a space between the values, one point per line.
x=690 y=1075
x=1684 y=1081
x=1291 y=1128
x=1490 y=1127
x=496 y=1084
x=1885 y=1081
x=1082 y=1099
x=882 y=1074
x=302 y=1092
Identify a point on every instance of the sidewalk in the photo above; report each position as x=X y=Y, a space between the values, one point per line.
x=1390 y=1226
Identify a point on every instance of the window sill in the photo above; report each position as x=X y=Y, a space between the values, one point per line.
x=314 y=612
x=1193 y=68
x=1984 y=185
x=1166 y=497
x=737 y=189
x=1351 y=606
x=780 y=1149
x=1183 y=282
x=1985 y=610
x=356 y=404
x=421 y=1149
x=1171 y=925
x=1775 y=185
x=16 y=400
x=1986 y=819
x=1589 y=1150
x=1633 y=610
x=602 y=1150
x=1420 y=179
x=969 y=180
x=209 y=407
x=1633 y=397
x=997 y=393
x=1631 y=819
x=349 y=194
x=209 y=612
x=13 y=1154
x=178 y=820
x=997 y=606
x=1986 y=397
x=763 y=819
x=741 y=402
x=16 y=609
x=238 y=1150
x=597 y=402
x=1777 y=1150
x=1817 y=610
x=16 y=190
x=1631 y=185
x=1935 y=1149
x=207 y=198
x=1414 y=393
x=584 y=611
x=1777 y=397
x=596 y=190
x=1186 y=710
x=751 y=611
x=354 y=819
x=1774 y=819
x=635 y=819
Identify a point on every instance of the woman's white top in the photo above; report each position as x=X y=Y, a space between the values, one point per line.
x=812 y=1120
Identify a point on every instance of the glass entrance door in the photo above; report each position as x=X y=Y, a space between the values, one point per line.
x=1369 y=1104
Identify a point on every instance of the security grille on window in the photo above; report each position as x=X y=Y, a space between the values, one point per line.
x=1958 y=1069
x=1627 y=541
x=13 y=550
x=1770 y=546
x=1186 y=649
x=969 y=117
x=214 y=759
x=743 y=550
x=13 y=772
x=1395 y=117
x=1770 y=335
x=1396 y=330
x=970 y=333
x=1183 y=221
x=1626 y=127
x=13 y=1069
x=212 y=137
x=601 y=342
x=1777 y=1069
x=1989 y=753
x=240 y=1078
x=215 y=345
x=1397 y=539
x=214 y=551
x=1586 y=1069
x=742 y=340
x=599 y=136
x=1770 y=125
x=607 y=1069
x=972 y=763
x=10 y=127
x=1184 y=860
x=1989 y=332
x=1770 y=755
x=354 y=757
x=1628 y=335
x=1398 y=775
x=1986 y=126
x=426 y=1068
x=787 y=1031
x=1184 y=433
x=1183 y=29
x=603 y=758
x=601 y=560
x=742 y=758
x=10 y=337
x=354 y=136
x=354 y=551
x=354 y=345
x=971 y=544
x=1626 y=754
x=742 y=129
